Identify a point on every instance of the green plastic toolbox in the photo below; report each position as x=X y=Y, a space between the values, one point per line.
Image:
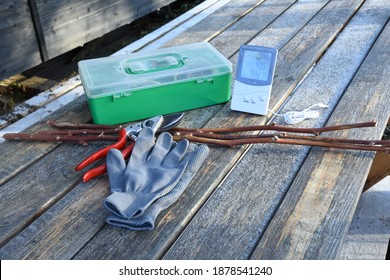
x=136 y=86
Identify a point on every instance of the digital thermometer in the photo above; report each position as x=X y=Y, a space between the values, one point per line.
x=254 y=76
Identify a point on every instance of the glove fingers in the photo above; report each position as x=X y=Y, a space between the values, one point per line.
x=115 y=168
x=197 y=157
x=176 y=155
x=188 y=165
x=142 y=147
x=161 y=149
x=194 y=161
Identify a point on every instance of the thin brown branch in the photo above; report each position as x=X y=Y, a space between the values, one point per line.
x=287 y=136
x=385 y=143
x=58 y=138
x=68 y=125
x=71 y=132
x=290 y=141
x=337 y=145
x=275 y=127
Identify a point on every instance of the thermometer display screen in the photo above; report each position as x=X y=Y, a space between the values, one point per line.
x=256 y=65
x=254 y=77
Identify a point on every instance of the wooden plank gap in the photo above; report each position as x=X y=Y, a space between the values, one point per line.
x=341 y=30
x=235 y=21
x=38 y=29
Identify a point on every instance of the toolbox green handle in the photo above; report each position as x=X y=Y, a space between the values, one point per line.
x=153 y=63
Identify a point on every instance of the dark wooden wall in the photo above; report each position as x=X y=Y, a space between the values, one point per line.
x=32 y=31
x=19 y=47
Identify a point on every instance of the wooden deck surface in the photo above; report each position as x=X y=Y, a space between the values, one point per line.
x=250 y=202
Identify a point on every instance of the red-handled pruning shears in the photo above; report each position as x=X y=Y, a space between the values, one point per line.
x=158 y=124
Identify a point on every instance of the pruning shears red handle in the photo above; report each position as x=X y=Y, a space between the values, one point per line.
x=102 y=169
x=158 y=123
x=103 y=152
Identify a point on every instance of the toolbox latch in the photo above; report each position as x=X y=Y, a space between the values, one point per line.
x=121 y=94
x=204 y=80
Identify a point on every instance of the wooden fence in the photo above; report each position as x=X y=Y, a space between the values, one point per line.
x=33 y=31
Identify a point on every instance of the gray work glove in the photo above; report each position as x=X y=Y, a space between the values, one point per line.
x=154 y=171
x=146 y=220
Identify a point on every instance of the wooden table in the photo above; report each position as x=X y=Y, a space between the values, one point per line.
x=249 y=202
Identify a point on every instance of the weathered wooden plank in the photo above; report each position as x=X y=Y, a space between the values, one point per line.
x=232 y=221
x=68 y=26
x=41 y=239
x=18 y=45
x=380 y=169
x=28 y=186
x=13 y=12
x=18 y=156
x=153 y=245
x=32 y=192
x=249 y=26
x=173 y=28
x=328 y=23
x=216 y=23
x=281 y=31
x=316 y=214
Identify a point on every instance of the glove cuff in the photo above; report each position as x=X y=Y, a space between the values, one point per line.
x=127 y=205
x=142 y=222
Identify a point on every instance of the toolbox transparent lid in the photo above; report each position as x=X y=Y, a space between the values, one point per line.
x=136 y=71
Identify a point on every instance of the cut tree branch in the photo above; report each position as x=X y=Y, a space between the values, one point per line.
x=84 y=133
